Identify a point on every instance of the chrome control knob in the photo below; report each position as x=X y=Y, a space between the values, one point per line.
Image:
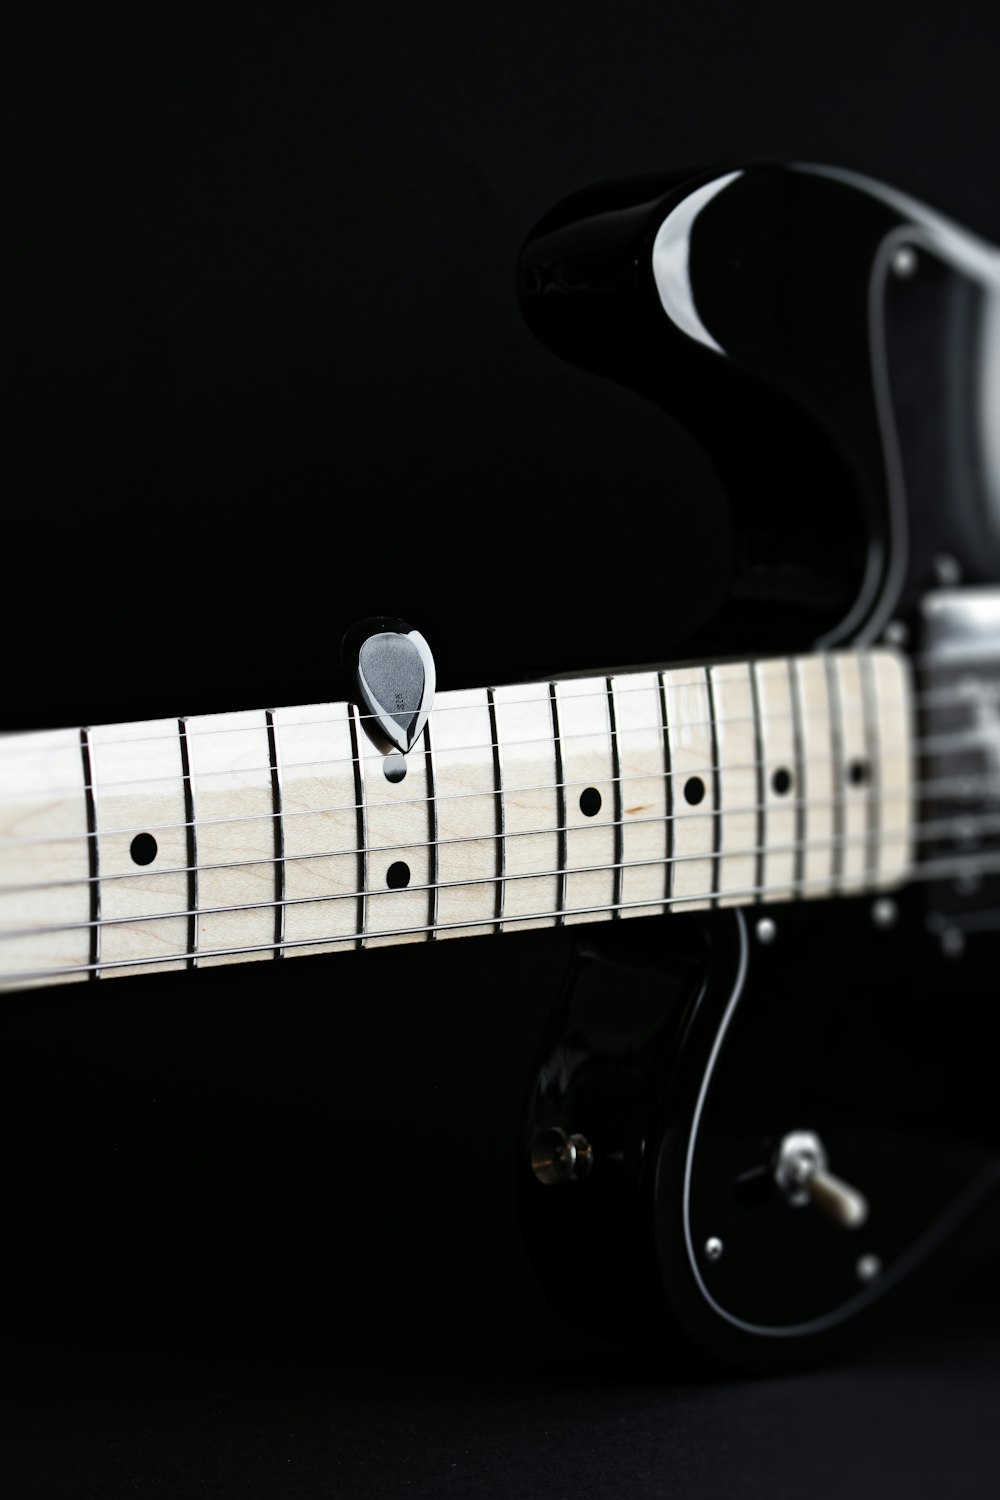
x=559 y=1157
x=802 y=1174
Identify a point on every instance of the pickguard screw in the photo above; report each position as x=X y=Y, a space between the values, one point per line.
x=713 y=1249
x=767 y=930
x=947 y=570
x=904 y=261
x=896 y=633
x=868 y=1267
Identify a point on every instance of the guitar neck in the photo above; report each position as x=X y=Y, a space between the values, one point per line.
x=265 y=834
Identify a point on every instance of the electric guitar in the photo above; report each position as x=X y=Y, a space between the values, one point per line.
x=823 y=777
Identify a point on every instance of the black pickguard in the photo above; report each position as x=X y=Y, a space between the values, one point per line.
x=840 y=395
x=853 y=1044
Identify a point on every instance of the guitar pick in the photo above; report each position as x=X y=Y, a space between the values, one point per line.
x=391 y=669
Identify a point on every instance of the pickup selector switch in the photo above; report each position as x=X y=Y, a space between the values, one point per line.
x=802 y=1175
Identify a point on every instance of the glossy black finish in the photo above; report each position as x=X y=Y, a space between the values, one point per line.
x=904 y=1109
x=833 y=1047
x=839 y=392
x=608 y=1041
x=935 y=335
x=790 y=274
x=264 y=318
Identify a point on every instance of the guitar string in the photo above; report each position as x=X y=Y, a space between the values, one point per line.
x=915 y=833
x=952 y=788
x=948 y=869
x=915 y=701
x=925 y=744
x=965 y=784
x=268 y=905
x=964 y=823
x=12 y=751
x=623 y=688
x=437 y=708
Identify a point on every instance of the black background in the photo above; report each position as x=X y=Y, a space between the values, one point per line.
x=269 y=376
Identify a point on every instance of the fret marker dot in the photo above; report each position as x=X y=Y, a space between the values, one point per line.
x=694 y=790
x=143 y=849
x=781 y=781
x=398 y=876
x=394 y=767
x=590 y=802
x=858 y=772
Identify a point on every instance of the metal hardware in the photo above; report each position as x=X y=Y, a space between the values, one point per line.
x=558 y=1157
x=391 y=670
x=867 y=1268
x=962 y=625
x=801 y=1174
x=885 y=912
x=714 y=1248
x=947 y=570
x=766 y=930
x=960 y=679
x=904 y=261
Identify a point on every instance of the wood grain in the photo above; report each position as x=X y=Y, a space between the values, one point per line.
x=520 y=806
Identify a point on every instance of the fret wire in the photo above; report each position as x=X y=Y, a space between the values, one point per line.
x=562 y=833
x=501 y=817
x=919 y=832
x=307 y=812
x=918 y=698
x=432 y=819
x=798 y=741
x=14 y=751
x=616 y=777
x=438 y=708
x=869 y=718
x=323 y=762
x=954 y=868
x=713 y=728
x=361 y=819
x=836 y=762
x=93 y=856
x=758 y=751
x=860 y=737
x=192 y=846
x=668 y=788
x=279 y=838
x=959 y=821
x=928 y=744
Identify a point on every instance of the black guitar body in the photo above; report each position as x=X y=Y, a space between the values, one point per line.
x=330 y=1145
x=685 y=1058
x=828 y=343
